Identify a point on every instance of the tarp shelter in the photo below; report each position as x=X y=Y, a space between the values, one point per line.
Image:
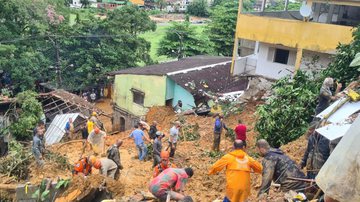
x=56 y=130
x=339 y=176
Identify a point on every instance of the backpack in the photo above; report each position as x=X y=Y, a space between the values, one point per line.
x=217 y=125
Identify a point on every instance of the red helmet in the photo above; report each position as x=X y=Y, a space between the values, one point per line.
x=97 y=130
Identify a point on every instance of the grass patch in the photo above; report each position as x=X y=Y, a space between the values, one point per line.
x=155 y=37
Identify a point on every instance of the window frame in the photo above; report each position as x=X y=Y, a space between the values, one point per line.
x=138 y=93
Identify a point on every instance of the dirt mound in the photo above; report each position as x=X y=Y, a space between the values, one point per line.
x=296 y=149
x=80 y=186
x=163 y=115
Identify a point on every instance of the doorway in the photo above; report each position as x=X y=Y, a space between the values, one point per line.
x=122 y=124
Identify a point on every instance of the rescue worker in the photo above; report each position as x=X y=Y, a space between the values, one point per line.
x=153 y=130
x=164 y=164
x=218 y=127
x=157 y=147
x=107 y=167
x=96 y=140
x=278 y=167
x=83 y=167
x=89 y=125
x=138 y=135
x=97 y=123
x=39 y=125
x=38 y=148
x=326 y=95
x=171 y=182
x=316 y=153
x=114 y=154
x=70 y=129
x=174 y=136
x=238 y=166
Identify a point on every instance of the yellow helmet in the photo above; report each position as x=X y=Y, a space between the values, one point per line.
x=94 y=114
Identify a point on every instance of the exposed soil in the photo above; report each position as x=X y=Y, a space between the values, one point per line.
x=136 y=175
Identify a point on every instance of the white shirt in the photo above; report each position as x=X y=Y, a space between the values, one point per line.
x=174 y=133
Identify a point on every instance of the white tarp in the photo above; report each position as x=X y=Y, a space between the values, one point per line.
x=339 y=176
x=55 y=132
x=341 y=114
x=334 y=130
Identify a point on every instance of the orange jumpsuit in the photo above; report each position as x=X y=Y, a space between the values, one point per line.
x=82 y=166
x=238 y=167
x=160 y=167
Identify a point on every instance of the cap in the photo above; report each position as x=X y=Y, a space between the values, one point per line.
x=92 y=159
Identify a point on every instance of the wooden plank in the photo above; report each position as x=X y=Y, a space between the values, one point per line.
x=56 y=107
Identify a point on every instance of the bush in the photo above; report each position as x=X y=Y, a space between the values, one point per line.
x=28 y=116
x=340 y=68
x=288 y=111
x=198 y=8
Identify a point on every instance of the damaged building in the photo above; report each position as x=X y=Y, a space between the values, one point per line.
x=137 y=89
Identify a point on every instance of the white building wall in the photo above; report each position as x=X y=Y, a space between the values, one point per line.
x=266 y=67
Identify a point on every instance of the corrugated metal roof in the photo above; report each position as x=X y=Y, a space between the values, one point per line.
x=56 y=130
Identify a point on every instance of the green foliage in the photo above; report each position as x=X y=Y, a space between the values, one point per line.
x=36 y=35
x=181 y=41
x=230 y=133
x=29 y=115
x=190 y=132
x=16 y=163
x=214 y=154
x=63 y=183
x=198 y=8
x=288 y=111
x=221 y=29
x=42 y=193
x=61 y=160
x=340 y=68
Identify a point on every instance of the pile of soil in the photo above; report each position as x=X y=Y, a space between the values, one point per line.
x=80 y=185
x=296 y=149
x=136 y=175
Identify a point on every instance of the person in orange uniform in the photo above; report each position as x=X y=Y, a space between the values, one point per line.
x=238 y=167
x=164 y=164
x=82 y=167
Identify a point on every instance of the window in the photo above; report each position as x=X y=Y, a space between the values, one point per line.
x=138 y=96
x=281 y=56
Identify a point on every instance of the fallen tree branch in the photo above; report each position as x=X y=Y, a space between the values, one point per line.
x=69 y=142
x=16 y=165
x=8 y=186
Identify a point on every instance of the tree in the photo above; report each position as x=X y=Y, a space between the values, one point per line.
x=221 y=29
x=198 y=8
x=340 y=68
x=181 y=40
x=286 y=114
x=37 y=35
x=28 y=116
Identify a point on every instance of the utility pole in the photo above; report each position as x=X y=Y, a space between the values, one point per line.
x=58 y=70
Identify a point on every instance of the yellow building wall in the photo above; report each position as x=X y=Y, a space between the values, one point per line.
x=137 y=2
x=296 y=34
x=154 y=88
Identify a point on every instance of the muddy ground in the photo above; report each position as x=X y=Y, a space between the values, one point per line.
x=136 y=175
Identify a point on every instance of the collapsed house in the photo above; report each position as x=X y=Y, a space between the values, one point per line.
x=59 y=106
x=188 y=79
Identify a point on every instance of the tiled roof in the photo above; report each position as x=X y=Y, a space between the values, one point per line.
x=217 y=79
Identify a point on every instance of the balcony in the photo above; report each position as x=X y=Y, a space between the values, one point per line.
x=312 y=36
